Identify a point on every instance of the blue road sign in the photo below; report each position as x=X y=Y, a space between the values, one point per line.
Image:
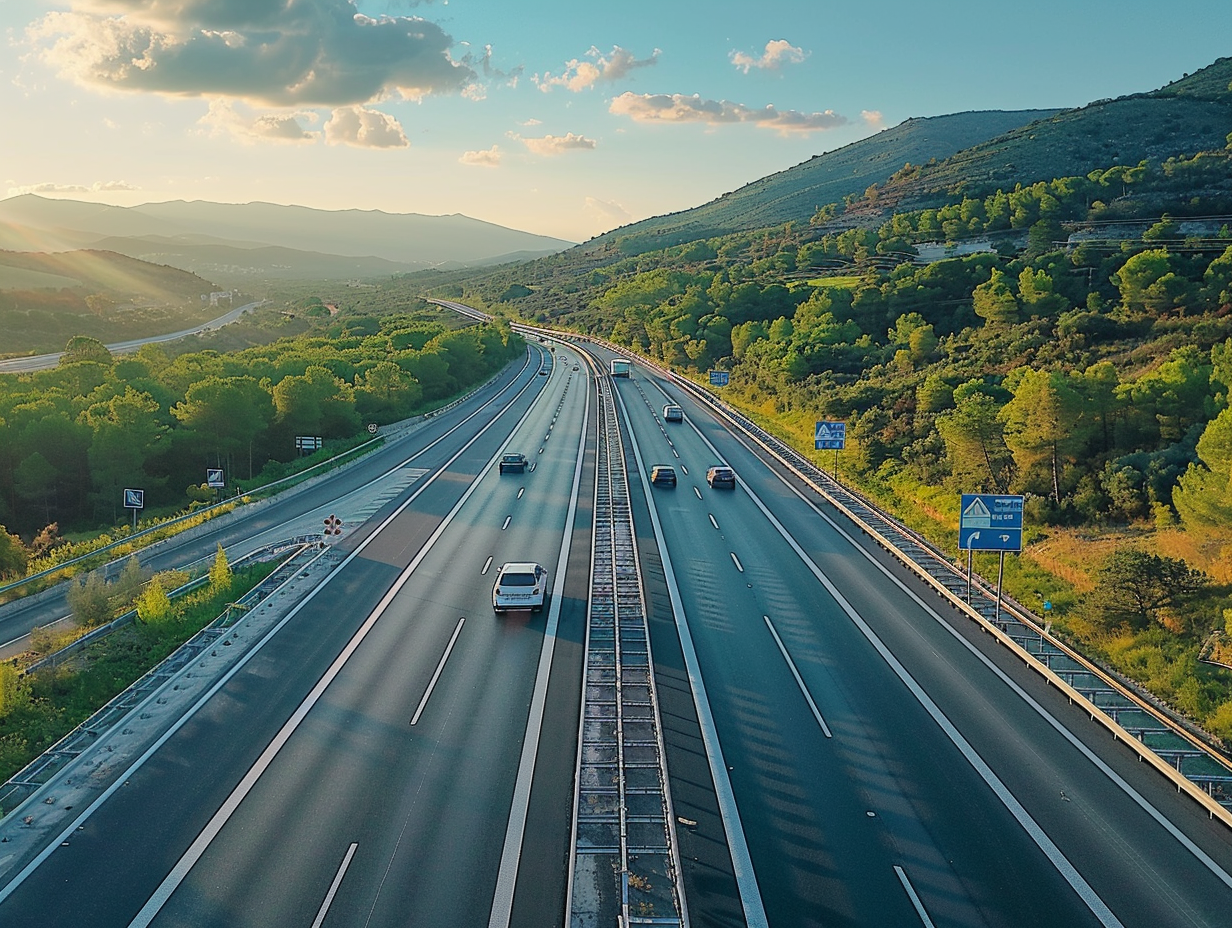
x=990 y=522
x=134 y=499
x=831 y=436
x=719 y=378
x=213 y=477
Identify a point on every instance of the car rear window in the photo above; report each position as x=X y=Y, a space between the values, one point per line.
x=512 y=579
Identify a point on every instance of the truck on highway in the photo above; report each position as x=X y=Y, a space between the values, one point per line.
x=620 y=367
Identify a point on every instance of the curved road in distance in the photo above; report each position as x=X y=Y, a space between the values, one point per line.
x=44 y=362
x=891 y=765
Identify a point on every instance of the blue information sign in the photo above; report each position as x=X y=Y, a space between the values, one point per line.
x=719 y=378
x=214 y=477
x=990 y=522
x=134 y=499
x=830 y=436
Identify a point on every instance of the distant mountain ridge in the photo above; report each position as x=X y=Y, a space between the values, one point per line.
x=407 y=241
x=796 y=193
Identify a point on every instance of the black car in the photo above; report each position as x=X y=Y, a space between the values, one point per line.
x=663 y=475
x=721 y=476
x=513 y=462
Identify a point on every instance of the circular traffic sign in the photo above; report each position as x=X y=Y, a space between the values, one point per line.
x=371 y=428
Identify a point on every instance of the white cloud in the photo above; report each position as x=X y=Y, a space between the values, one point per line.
x=109 y=186
x=778 y=53
x=579 y=75
x=556 y=145
x=872 y=117
x=609 y=212
x=364 y=128
x=532 y=122
x=490 y=158
x=677 y=107
x=226 y=118
x=269 y=52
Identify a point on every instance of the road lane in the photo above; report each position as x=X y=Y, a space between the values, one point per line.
x=163 y=805
x=1147 y=881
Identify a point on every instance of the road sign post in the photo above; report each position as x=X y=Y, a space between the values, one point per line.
x=990 y=522
x=134 y=500
x=830 y=436
x=333 y=527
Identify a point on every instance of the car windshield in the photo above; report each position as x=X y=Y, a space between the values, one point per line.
x=513 y=457
x=512 y=579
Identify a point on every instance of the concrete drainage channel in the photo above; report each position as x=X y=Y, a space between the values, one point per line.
x=625 y=865
x=62 y=784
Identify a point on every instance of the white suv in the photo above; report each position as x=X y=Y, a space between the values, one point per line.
x=520 y=585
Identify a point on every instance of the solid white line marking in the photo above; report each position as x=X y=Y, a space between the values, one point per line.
x=329 y=897
x=1185 y=841
x=152 y=907
x=825 y=729
x=1075 y=879
x=710 y=516
x=742 y=861
x=508 y=519
x=519 y=808
x=736 y=561
x=486 y=565
x=437 y=675
x=915 y=899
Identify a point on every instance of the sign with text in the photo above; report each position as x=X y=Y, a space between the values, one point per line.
x=213 y=477
x=830 y=436
x=719 y=378
x=990 y=522
x=134 y=499
x=308 y=442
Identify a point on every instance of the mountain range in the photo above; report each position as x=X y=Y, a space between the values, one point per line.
x=231 y=243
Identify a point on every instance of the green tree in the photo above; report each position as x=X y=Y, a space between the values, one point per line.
x=220 y=572
x=1133 y=587
x=1203 y=495
x=228 y=414
x=1149 y=283
x=13 y=556
x=153 y=605
x=1041 y=425
x=994 y=301
x=974 y=438
x=90 y=600
x=85 y=348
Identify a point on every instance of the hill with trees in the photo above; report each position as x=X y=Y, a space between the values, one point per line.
x=1068 y=338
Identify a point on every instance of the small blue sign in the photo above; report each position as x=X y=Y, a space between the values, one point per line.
x=214 y=477
x=830 y=436
x=134 y=499
x=990 y=522
x=719 y=378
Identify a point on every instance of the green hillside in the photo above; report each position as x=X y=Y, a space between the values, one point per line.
x=795 y=194
x=1190 y=115
x=118 y=276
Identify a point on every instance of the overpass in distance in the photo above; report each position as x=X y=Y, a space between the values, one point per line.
x=841 y=745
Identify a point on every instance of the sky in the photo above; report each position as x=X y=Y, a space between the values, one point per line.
x=560 y=117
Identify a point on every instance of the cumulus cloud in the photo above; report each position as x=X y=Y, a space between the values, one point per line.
x=226 y=118
x=364 y=128
x=489 y=158
x=579 y=74
x=108 y=186
x=872 y=117
x=777 y=53
x=268 y=52
x=661 y=107
x=558 y=144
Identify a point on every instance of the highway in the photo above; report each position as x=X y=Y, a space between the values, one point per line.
x=44 y=362
x=844 y=748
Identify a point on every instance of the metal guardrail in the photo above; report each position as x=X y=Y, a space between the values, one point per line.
x=1131 y=714
x=625 y=863
x=1159 y=736
x=40 y=770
